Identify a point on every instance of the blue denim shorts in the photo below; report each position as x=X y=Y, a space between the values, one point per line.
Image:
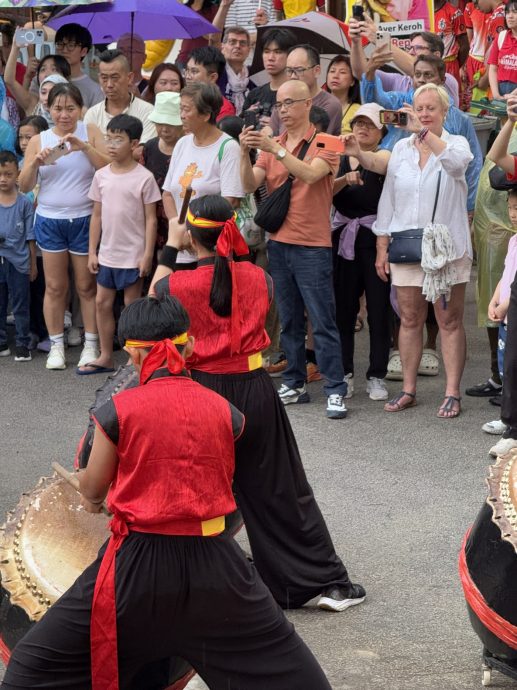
x=117 y=278
x=62 y=234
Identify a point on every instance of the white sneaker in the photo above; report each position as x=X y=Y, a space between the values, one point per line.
x=376 y=389
x=497 y=427
x=56 y=357
x=336 y=408
x=89 y=354
x=503 y=446
x=349 y=380
x=73 y=336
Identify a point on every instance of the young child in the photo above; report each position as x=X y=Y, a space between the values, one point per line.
x=122 y=230
x=498 y=306
x=17 y=257
x=502 y=60
x=28 y=128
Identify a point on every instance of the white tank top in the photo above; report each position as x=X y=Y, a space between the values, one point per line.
x=64 y=186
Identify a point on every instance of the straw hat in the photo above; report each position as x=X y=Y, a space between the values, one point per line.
x=166 y=109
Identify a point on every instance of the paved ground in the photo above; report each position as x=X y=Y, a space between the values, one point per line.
x=398 y=492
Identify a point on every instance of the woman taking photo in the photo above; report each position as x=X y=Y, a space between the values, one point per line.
x=164 y=77
x=63 y=214
x=205 y=159
x=407 y=202
x=227 y=302
x=342 y=84
x=357 y=190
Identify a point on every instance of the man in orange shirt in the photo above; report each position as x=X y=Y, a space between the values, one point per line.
x=300 y=252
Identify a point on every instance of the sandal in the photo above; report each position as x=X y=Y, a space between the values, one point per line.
x=429 y=364
x=394 y=367
x=397 y=406
x=449 y=405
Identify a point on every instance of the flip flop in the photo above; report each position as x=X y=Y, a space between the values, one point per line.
x=96 y=369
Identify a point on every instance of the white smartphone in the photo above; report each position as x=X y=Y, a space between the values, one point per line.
x=25 y=37
x=383 y=40
x=56 y=153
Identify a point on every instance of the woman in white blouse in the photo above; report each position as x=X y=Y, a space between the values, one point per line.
x=407 y=202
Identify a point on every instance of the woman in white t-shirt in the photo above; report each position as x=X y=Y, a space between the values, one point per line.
x=205 y=159
x=63 y=214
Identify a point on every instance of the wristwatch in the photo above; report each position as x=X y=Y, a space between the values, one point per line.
x=280 y=154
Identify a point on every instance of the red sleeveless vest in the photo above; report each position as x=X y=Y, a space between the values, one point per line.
x=174 y=476
x=212 y=333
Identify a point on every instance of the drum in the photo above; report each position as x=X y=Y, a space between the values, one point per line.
x=488 y=564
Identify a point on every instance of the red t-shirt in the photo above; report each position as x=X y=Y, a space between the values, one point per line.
x=449 y=24
x=505 y=57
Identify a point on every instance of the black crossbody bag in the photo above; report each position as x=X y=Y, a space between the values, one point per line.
x=272 y=211
x=406 y=245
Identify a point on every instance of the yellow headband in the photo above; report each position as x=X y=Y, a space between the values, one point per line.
x=205 y=223
x=178 y=340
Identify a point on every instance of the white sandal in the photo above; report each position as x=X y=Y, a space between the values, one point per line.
x=429 y=364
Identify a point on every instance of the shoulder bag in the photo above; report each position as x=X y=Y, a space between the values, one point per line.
x=406 y=245
x=273 y=210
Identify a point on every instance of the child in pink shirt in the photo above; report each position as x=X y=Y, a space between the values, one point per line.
x=122 y=231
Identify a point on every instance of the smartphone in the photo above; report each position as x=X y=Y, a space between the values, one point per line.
x=56 y=153
x=251 y=118
x=358 y=12
x=393 y=117
x=25 y=37
x=383 y=40
x=329 y=143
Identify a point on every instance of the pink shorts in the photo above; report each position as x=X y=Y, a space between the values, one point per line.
x=412 y=275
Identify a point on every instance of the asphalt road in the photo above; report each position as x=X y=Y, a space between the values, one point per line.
x=398 y=492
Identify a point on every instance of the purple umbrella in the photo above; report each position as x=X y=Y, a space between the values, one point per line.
x=151 y=19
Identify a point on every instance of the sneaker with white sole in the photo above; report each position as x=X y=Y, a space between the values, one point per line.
x=336 y=408
x=349 y=380
x=56 y=357
x=290 y=396
x=4 y=350
x=339 y=599
x=497 y=427
x=22 y=354
x=89 y=354
x=503 y=446
x=376 y=389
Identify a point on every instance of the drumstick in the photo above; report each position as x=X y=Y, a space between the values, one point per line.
x=184 y=205
x=74 y=482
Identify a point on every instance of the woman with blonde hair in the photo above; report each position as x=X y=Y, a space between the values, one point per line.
x=425 y=189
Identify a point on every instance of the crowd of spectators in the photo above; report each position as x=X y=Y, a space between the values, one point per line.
x=106 y=163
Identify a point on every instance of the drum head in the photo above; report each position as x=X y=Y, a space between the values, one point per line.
x=46 y=543
x=502 y=497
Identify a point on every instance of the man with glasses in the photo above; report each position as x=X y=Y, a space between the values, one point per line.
x=300 y=253
x=116 y=78
x=133 y=47
x=206 y=65
x=73 y=42
x=303 y=63
x=235 y=82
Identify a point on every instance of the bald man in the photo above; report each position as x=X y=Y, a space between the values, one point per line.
x=300 y=254
x=133 y=47
x=303 y=64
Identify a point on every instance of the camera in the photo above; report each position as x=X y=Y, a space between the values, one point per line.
x=393 y=117
x=25 y=37
x=252 y=116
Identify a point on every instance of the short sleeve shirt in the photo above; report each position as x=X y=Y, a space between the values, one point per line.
x=308 y=219
x=98 y=115
x=16 y=228
x=449 y=24
x=123 y=198
x=505 y=57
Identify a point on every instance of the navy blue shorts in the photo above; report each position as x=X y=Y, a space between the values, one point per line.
x=62 y=234
x=117 y=278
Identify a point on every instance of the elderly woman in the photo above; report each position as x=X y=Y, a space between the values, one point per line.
x=357 y=190
x=407 y=203
x=205 y=159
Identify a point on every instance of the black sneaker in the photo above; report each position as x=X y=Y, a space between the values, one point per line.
x=484 y=390
x=496 y=400
x=339 y=599
x=4 y=350
x=22 y=354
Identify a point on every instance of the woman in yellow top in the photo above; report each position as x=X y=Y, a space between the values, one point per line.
x=342 y=84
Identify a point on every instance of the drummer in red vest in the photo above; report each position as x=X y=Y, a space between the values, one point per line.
x=168 y=582
x=227 y=299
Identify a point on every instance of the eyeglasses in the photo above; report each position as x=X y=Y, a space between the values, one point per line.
x=191 y=70
x=367 y=124
x=288 y=103
x=418 y=49
x=115 y=143
x=235 y=42
x=68 y=45
x=297 y=71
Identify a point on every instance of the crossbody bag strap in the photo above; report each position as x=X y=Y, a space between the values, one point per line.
x=437 y=193
x=303 y=151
